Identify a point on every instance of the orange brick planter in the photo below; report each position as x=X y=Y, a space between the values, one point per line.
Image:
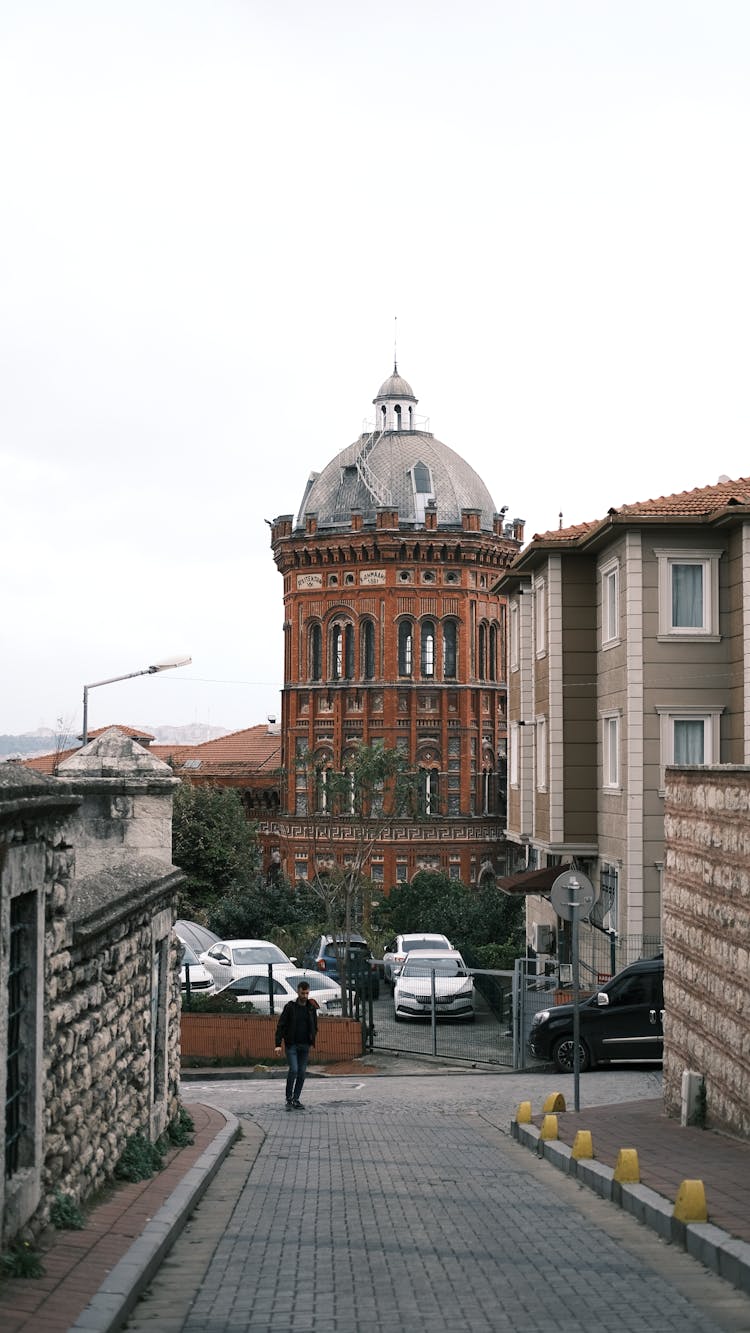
x=251 y=1037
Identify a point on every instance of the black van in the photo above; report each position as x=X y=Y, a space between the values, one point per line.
x=622 y=1021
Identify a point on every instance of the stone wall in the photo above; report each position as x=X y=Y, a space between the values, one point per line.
x=87 y=895
x=706 y=908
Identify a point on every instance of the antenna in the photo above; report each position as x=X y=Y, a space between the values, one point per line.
x=395 y=344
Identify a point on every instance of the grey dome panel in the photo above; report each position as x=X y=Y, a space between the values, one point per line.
x=395 y=387
x=339 y=489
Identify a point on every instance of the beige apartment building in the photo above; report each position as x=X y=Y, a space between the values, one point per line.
x=629 y=651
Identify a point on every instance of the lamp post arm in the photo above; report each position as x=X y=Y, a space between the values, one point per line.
x=145 y=671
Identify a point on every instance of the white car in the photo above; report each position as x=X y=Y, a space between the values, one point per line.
x=453 y=986
x=252 y=985
x=201 y=981
x=395 y=955
x=225 y=959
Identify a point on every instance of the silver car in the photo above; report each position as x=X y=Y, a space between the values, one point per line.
x=442 y=975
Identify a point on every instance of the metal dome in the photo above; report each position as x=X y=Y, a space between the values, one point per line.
x=395 y=387
x=339 y=488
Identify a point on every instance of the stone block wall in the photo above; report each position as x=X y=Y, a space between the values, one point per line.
x=706 y=910
x=98 y=1046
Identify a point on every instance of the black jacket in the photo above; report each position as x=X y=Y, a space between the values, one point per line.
x=285 y=1025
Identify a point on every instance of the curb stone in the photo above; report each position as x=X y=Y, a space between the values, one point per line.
x=117 y=1296
x=724 y=1254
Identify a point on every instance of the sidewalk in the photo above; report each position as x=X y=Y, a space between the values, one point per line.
x=668 y=1154
x=94 y=1277
x=135 y=1227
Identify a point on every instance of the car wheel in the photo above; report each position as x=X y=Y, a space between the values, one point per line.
x=563 y=1055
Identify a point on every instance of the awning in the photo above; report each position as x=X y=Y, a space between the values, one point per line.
x=531 y=881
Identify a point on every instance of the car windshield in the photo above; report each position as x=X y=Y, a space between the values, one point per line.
x=260 y=953
x=442 y=967
x=429 y=942
x=315 y=980
x=189 y=957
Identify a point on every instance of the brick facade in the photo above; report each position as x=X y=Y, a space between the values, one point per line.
x=707 y=940
x=392 y=635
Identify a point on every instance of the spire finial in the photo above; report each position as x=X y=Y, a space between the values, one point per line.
x=395 y=344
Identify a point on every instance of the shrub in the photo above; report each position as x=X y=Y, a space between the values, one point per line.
x=65 y=1213
x=20 y=1260
x=180 y=1130
x=140 y=1159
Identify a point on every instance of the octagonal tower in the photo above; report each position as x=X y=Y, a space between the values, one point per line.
x=391 y=634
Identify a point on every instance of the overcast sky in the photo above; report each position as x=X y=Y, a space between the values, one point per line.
x=211 y=213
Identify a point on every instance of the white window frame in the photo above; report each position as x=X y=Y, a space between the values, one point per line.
x=709 y=561
x=610 y=583
x=540 y=738
x=611 y=775
x=668 y=715
x=540 y=617
x=514 y=634
x=513 y=754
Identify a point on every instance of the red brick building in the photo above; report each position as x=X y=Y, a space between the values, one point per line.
x=392 y=634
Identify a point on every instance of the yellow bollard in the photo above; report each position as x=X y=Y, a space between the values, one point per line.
x=555 y=1102
x=549 y=1127
x=627 y=1170
x=690 y=1204
x=523 y=1114
x=583 y=1146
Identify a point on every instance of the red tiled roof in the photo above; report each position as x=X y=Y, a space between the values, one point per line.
x=700 y=502
x=47 y=763
x=251 y=750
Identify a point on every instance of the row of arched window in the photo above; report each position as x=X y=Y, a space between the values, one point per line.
x=427 y=650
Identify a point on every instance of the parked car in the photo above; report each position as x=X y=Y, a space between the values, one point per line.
x=252 y=985
x=622 y=1021
x=326 y=952
x=223 y=960
x=201 y=981
x=197 y=936
x=453 y=986
x=395 y=955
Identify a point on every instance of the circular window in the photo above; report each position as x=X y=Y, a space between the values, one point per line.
x=348 y=578
x=451 y=577
x=404 y=576
x=333 y=580
x=428 y=576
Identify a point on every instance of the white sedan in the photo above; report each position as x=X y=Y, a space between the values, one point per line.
x=252 y=986
x=225 y=959
x=443 y=974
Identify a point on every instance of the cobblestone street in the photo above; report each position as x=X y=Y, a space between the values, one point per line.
x=403 y=1203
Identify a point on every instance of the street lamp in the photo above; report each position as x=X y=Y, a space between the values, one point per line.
x=145 y=671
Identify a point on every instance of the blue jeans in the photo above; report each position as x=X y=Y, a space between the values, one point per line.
x=297 y=1057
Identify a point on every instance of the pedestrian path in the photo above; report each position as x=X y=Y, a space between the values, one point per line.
x=358 y=1218
x=391 y=1202
x=78 y=1262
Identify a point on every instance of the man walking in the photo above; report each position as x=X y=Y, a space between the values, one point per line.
x=297 y=1028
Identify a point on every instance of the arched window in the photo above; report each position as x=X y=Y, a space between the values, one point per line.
x=482 y=652
x=337 y=653
x=493 y=653
x=450 y=650
x=427 y=660
x=316 y=653
x=368 y=650
x=397 y=410
x=349 y=652
x=405 y=648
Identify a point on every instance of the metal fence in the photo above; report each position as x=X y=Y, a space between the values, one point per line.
x=487 y=1039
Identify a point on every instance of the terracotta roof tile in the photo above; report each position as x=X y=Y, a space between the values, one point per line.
x=254 y=749
x=701 y=501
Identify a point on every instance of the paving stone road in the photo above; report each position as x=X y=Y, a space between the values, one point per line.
x=403 y=1203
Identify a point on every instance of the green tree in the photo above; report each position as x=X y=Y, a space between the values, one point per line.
x=351 y=810
x=486 y=924
x=215 y=846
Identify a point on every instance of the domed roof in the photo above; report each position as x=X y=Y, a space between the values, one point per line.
x=395 y=387
x=392 y=461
